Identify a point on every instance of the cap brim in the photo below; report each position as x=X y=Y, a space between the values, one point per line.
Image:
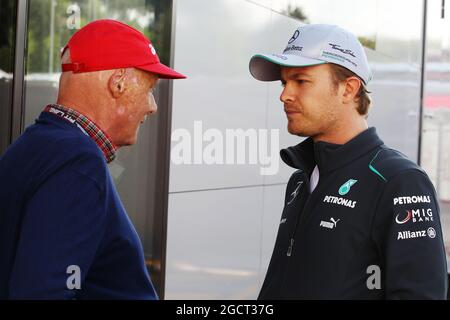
x=267 y=67
x=162 y=71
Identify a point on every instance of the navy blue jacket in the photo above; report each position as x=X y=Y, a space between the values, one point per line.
x=369 y=230
x=60 y=217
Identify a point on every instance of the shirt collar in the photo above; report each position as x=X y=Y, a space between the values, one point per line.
x=86 y=125
x=329 y=156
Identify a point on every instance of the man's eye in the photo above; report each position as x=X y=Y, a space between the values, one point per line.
x=300 y=81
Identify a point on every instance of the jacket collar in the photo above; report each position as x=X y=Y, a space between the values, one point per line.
x=329 y=156
x=87 y=126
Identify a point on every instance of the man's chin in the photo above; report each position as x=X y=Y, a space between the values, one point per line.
x=132 y=140
x=297 y=131
x=128 y=142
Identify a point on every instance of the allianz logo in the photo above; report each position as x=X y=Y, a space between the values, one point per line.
x=340 y=201
x=404 y=235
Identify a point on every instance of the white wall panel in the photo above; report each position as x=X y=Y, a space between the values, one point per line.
x=212 y=47
x=214 y=244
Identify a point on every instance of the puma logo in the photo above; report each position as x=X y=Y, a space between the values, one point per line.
x=329 y=225
x=334 y=221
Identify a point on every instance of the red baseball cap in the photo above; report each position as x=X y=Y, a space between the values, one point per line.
x=108 y=44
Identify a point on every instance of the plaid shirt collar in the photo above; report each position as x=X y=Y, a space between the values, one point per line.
x=88 y=127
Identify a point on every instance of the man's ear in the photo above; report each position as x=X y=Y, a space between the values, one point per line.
x=116 y=83
x=351 y=89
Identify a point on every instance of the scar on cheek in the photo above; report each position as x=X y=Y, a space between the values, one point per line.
x=134 y=80
x=120 y=110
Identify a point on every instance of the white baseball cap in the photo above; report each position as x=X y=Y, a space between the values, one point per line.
x=311 y=45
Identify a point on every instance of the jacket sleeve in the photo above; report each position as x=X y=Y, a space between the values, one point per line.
x=62 y=227
x=407 y=231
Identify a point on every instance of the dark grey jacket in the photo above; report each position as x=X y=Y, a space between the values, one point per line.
x=370 y=229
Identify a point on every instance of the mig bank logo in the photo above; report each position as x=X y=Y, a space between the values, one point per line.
x=345 y=188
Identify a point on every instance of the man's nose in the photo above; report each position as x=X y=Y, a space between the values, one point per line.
x=153 y=107
x=286 y=95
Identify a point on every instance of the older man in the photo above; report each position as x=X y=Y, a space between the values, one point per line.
x=64 y=233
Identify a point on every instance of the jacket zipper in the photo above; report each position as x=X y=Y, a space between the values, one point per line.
x=297 y=225
x=291 y=239
x=289 y=252
x=298 y=219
